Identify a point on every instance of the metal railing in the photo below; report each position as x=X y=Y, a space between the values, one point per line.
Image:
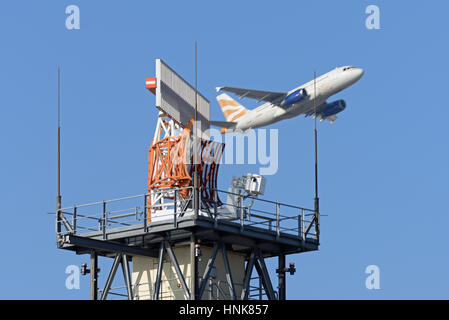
x=274 y=216
x=135 y=212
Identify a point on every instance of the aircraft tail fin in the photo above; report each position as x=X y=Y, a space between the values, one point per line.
x=232 y=110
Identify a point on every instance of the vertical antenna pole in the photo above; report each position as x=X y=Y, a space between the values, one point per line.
x=58 y=197
x=195 y=143
x=316 y=163
x=59 y=138
x=194 y=258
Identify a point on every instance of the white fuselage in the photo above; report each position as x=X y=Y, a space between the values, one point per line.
x=326 y=86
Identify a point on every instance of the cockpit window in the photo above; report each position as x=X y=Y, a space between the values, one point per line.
x=347 y=68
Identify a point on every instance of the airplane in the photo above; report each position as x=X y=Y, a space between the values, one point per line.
x=284 y=105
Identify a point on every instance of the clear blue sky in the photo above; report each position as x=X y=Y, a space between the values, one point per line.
x=383 y=164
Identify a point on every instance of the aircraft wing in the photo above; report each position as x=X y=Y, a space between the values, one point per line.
x=318 y=109
x=268 y=96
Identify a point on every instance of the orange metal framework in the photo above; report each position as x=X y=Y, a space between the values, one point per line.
x=166 y=162
x=168 y=166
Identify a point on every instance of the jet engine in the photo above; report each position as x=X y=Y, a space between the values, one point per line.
x=294 y=97
x=333 y=108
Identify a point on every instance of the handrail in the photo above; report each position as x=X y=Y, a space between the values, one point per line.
x=265 y=200
x=109 y=214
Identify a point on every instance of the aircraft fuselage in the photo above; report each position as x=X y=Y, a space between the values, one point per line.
x=326 y=86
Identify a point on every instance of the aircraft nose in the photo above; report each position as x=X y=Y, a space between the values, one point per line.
x=358 y=73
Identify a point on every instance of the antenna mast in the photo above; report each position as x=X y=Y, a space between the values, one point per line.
x=317 y=200
x=58 y=199
x=195 y=137
x=196 y=192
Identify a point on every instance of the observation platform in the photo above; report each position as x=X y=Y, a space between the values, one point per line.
x=130 y=226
